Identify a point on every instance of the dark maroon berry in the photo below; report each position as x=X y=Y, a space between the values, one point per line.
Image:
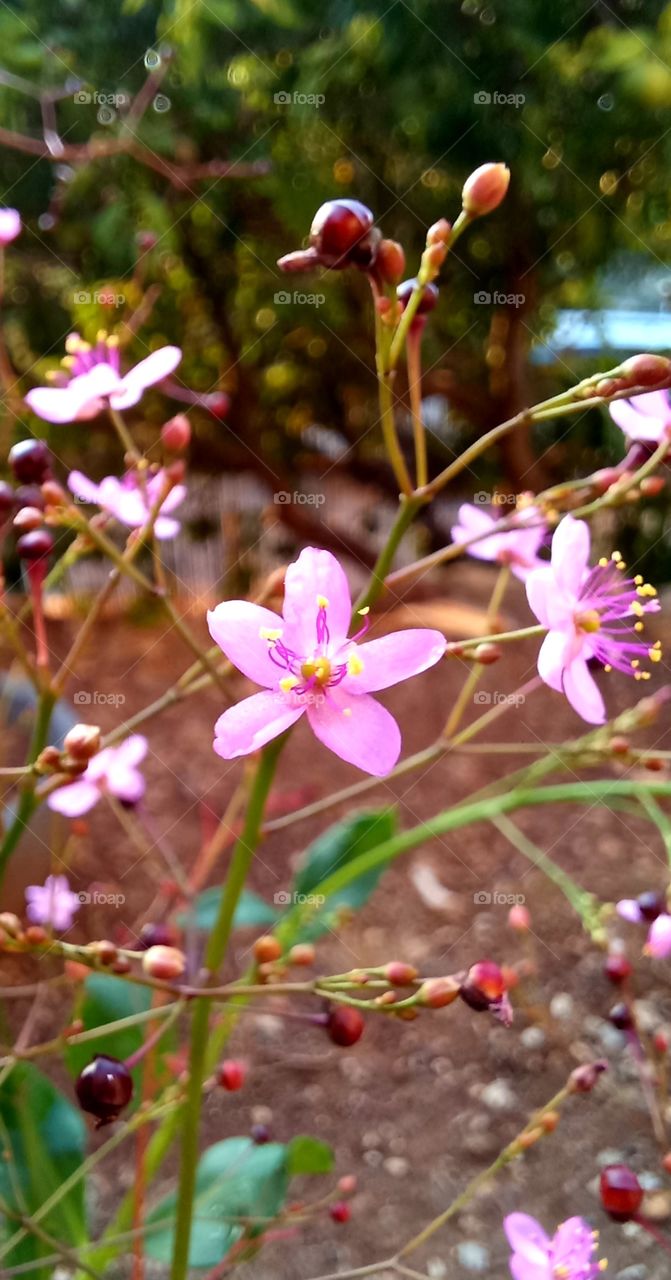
x=30 y=495
x=483 y=986
x=621 y=1192
x=617 y=968
x=104 y=1088
x=36 y=545
x=7 y=498
x=428 y=300
x=342 y=234
x=345 y=1025
x=260 y=1134
x=157 y=935
x=650 y=905
x=30 y=461
x=621 y=1017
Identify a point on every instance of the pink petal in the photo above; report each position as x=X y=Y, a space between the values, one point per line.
x=396 y=657
x=526 y=1237
x=570 y=553
x=131 y=752
x=523 y=1269
x=164 y=527
x=253 y=722
x=54 y=404
x=74 y=799
x=582 y=692
x=83 y=488
x=573 y=1245
x=157 y=366
x=126 y=504
x=552 y=658
x=236 y=626
x=358 y=729
x=541 y=587
x=315 y=573
x=126 y=784
x=10 y=225
x=659 y=938
x=629 y=909
x=638 y=424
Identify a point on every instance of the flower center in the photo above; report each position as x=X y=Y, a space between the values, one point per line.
x=589 y=621
x=318 y=670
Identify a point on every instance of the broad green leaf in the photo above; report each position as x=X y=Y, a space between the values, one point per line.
x=235 y=1179
x=43 y=1137
x=309 y=1155
x=250 y=911
x=106 y=999
x=332 y=851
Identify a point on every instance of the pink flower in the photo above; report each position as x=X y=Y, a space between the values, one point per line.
x=568 y=1254
x=517 y=547
x=589 y=613
x=646 y=417
x=52 y=903
x=307 y=664
x=94 y=378
x=130 y=500
x=112 y=770
x=10 y=226
x=658 y=942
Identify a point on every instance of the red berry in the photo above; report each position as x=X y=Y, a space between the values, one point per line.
x=104 y=1088
x=231 y=1074
x=341 y=234
x=483 y=985
x=428 y=300
x=340 y=1211
x=30 y=461
x=345 y=1025
x=617 y=968
x=36 y=545
x=621 y=1192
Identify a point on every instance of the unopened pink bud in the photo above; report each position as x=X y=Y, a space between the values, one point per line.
x=646 y=370
x=519 y=917
x=485 y=189
x=439 y=232
x=176 y=434
x=399 y=973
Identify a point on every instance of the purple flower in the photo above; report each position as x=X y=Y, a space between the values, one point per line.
x=52 y=903
x=646 y=417
x=94 y=378
x=130 y=500
x=10 y=226
x=589 y=613
x=112 y=770
x=307 y=664
x=658 y=942
x=567 y=1256
x=516 y=547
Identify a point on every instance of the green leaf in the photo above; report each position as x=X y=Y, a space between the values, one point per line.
x=333 y=850
x=235 y=1179
x=250 y=911
x=106 y=999
x=309 y=1155
x=43 y=1137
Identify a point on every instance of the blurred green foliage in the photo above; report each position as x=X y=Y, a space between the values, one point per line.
x=401 y=117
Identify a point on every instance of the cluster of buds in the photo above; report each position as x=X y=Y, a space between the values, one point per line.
x=81 y=743
x=272 y=962
x=30 y=464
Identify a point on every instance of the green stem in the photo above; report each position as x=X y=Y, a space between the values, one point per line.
x=27 y=799
x=216 y=949
x=409 y=506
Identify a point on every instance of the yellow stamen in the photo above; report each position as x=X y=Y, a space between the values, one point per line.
x=354 y=665
x=589 y=621
x=269 y=633
x=287 y=683
x=638 y=626
x=364 y=611
x=347 y=711
x=655 y=655
x=637 y=608
x=322 y=602
x=603 y=562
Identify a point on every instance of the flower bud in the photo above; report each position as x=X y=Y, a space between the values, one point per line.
x=347 y=1184
x=436 y=993
x=34 y=547
x=342 y=233
x=104 y=951
x=231 y=1074
x=483 y=985
x=266 y=949
x=646 y=370
x=53 y=493
x=340 y=1212
x=652 y=486
x=345 y=1025
x=485 y=189
x=302 y=954
x=439 y=232
x=428 y=299
x=390 y=261
x=519 y=917
x=11 y=924
x=584 y=1078
x=82 y=741
x=35 y=935
x=660 y=1043
x=176 y=434
x=400 y=974
x=166 y=963
x=487 y=653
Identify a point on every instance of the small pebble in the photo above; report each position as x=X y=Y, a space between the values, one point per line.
x=473 y=1256
x=561 y=1006
x=498 y=1096
x=396 y=1166
x=533 y=1038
